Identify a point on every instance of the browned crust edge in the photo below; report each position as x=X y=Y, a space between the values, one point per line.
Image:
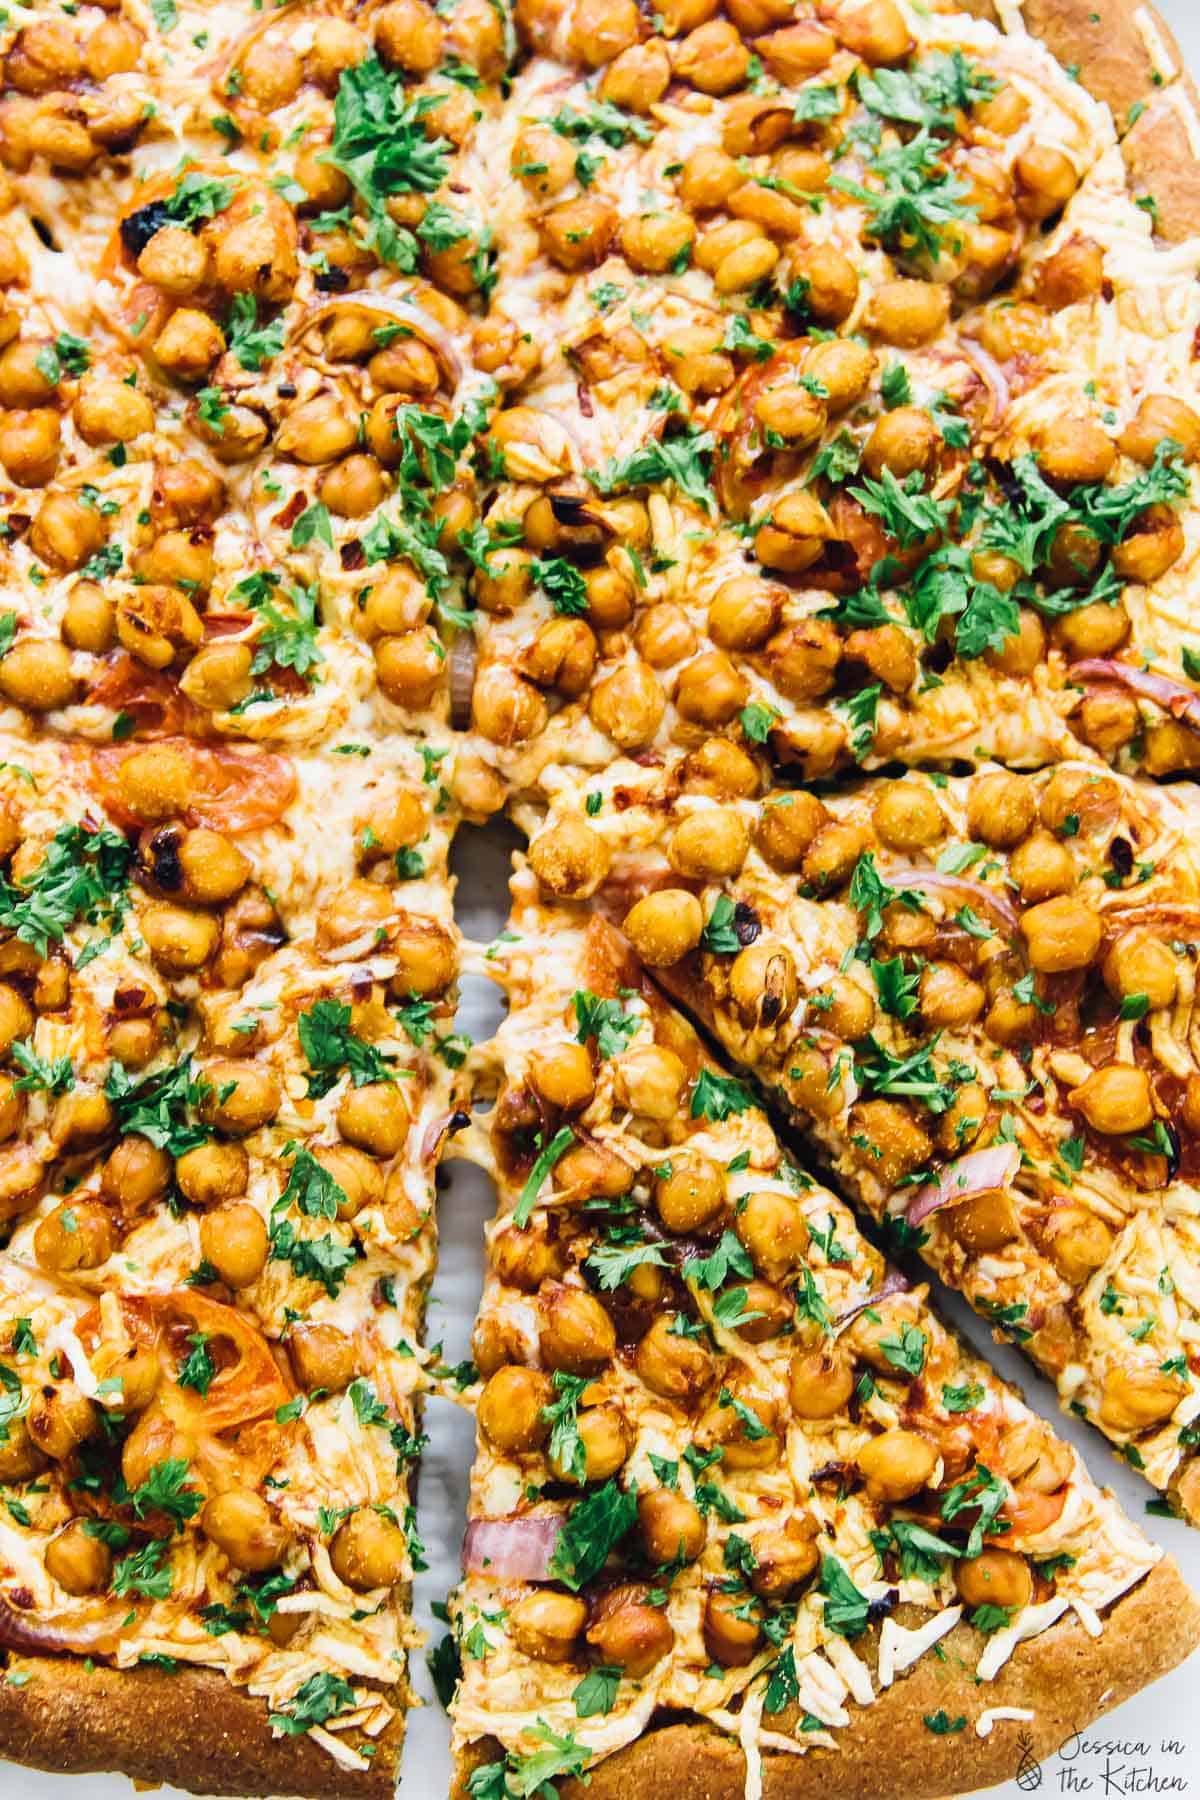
x=1161 y=163
x=193 y=1729
x=1066 y=1677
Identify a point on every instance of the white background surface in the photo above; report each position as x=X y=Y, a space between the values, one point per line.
x=1151 y=1745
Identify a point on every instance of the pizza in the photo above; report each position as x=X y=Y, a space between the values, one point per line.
x=733 y=1472
x=647 y=425
x=973 y=993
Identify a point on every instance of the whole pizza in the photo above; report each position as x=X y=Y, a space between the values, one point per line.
x=751 y=446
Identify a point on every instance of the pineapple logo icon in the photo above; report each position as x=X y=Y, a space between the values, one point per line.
x=1029 y=1769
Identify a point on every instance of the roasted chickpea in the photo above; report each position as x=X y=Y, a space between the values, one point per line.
x=374 y=1117
x=909 y=313
x=1045 y=180
x=78 y=1234
x=369 y=1551
x=546 y=1625
x=606 y=1443
x=638 y=78
x=60 y=1418
x=16 y=1018
x=1136 y=1395
x=663 y=927
x=833 y=853
x=675 y=1367
x=511 y=1408
x=650 y=1081
x=1075 y=449
x=1159 y=417
x=78 y=1562
x=209 y=1174
x=830 y=278
x=244 y=1096
x=763 y=984
x=36 y=674
x=732 y=1632
x=1073 y=274
x=628 y=705
x=234 y=1240
x=949 y=999
x=29 y=446
x=240 y=1523
x=1000 y=809
x=691 y=1195
x=1078 y=1243
x=995 y=1578
x=671 y=1527
x=19 y=1455
x=710 y=844
x=570 y=859
x=787 y=825
x=108 y=411
x=564 y=1076
x=785 y=1558
x=1115 y=1099
x=271 y=73
x=1139 y=962
x=576 y=1334
x=905 y=440
x=218 y=676
x=322 y=1356
x=820 y=1382
x=908 y=817
x=1061 y=934
x=1042 y=867
x=791 y=537
x=889 y=1142
x=897 y=1464
x=772 y=1228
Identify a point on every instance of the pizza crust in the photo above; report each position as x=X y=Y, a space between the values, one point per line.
x=1066 y=1678
x=193 y=1729
x=1162 y=154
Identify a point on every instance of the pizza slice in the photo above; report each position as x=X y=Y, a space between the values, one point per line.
x=745 y=1516
x=975 y=993
x=224 y=1109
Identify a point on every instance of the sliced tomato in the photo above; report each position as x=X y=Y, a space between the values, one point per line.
x=233 y=790
x=151 y=697
x=247 y=1384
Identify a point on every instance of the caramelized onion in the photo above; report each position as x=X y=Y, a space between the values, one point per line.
x=78 y=1633
x=978 y=1172
x=514 y=1549
x=1180 y=701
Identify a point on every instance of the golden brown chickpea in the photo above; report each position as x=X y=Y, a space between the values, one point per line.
x=1115 y=1099
x=411 y=668
x=132 y=1042
x=240 y=1523
x=1077 y=1242
x=79 y=1563
x=904 y=440
x=664 y=635
x=628 y=705
x=723 y=770
x=1161 y=416
x=36 y=674
x=511 y=1407
x=135 y=1174
x=353 y=487
x=820 y=1382
x=19 y=1455
x=1075 y=449
x=562 y=656
x=691 y=1195
x=12 y=1107
x=671 y=1527
x=1135 y=1396
x=16 y=1018
x=908 y=817
x=1045 y=179
x=77 y=1235
x=785 y=1558
x=712 y=58
x=606 y=1441
x=830 y=858
x=1153 y=545
x=89 y=619
x=322 y=1357
x=803 y=658
x=564 y=1075
x=890 y=1143
x=1021 y=653
x=218 y=676
x=844 y=1008
x=60 y=1418
x=909 y=313
x=675 y=1367
x=244 y=1096
x=663 y=927
x=650 y=1081
x=577 y=234
x=188 y=345
x=743 y=613
x=545 y=1625
x=797 y=50
x=710 y=690
x=175 y=261
x=1042 y=867
x=763 y=984
x=1139 y=962
x=896 y=1465
x=787 y=827
x=109 y=411
x=732 y=1634
x=1000 y=810
x=213 y=867
x=317 y=431
x=271 y=73
x=425 y=956
x=209 y=1174
x=654 y=242
x=374 y=1117
x=638 y=78
x=576 y=1334
x=710 y=844
x=1094 y=630
x=155 y=783
x=995 y=1578
x=369 y=1551
x=570 y=859
x=29 y=446
x=1061 y=934
x=80 y=1118
x=1074 y=273
x=984 y=1223
x=772 y=1228
x=234 y=1240
x=408 y=34
x=949 y=999
x=792 y=412
x=336 y=45
x=628 y=1633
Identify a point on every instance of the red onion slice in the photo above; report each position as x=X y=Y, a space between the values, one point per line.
x=513 y=1549
x=979 y=1172
x=990 y=373
x=998 y=904
x=893 y=1283
x=1181 y=702
x=73 y=1632
x=463 y=662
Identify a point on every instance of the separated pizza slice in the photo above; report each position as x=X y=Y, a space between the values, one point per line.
x=224 y=1111
x=976 y=995
x=745 y=1516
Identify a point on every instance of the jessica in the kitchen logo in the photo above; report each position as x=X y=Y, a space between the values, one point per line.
x=1106 y=1767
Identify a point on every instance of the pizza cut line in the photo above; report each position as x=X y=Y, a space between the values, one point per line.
x=633 y=422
